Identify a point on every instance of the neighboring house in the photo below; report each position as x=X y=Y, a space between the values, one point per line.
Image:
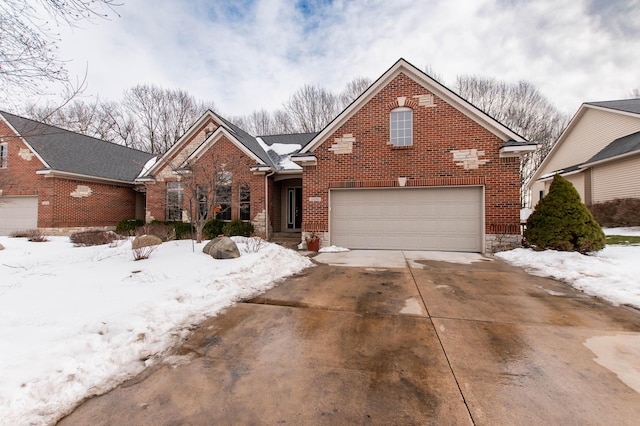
x=408 y=165
x=599 y=153
x=58 y=180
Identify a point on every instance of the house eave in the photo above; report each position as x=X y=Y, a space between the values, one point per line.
x=51 y=173
x=305 y=160
x=607 y=160
x=516 y=151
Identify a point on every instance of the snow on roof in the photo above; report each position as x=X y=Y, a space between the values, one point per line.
x=280 y=154
x=147 y=166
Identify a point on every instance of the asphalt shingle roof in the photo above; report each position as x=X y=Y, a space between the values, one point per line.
x=247 y=140
x=620 y=146
x=72 y=152
x=628 y=105
x=296 y=139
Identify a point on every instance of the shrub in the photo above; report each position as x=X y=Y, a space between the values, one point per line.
x=618 y=212
x=93 y=238
x=182 y=230
x=141 y=253
x=128 y=226
x=562 y=222
x=160 y=229
x=34 y=235
x=237 y=227
x=212 y=229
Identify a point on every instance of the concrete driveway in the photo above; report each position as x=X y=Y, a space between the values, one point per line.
x=373 y=337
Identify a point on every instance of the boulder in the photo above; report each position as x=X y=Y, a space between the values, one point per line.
x=222 y=248
x=145 y=241
x=1 y=247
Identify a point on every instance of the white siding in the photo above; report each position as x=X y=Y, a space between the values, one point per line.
x=619 y=179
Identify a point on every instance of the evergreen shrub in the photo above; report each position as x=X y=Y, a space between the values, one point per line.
x=562 y=222
x=238 y=227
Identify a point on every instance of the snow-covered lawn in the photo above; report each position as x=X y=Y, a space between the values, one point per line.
x=76 y=321
x=612 y=273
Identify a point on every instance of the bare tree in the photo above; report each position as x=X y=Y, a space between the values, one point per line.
x=522 y=108
x=161 y=115
x=208 y=183
x=634 y=93
x=431 y=72
x=311 y=108
x=353 y=89
x=28 y=42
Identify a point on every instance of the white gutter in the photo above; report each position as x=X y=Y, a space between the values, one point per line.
x=69 y=175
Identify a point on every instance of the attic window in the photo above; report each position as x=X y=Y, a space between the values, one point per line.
x=401 y=127
x=4 y=155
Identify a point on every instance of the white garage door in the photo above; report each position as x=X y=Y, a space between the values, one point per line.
x=447 y=218
x=18 y=214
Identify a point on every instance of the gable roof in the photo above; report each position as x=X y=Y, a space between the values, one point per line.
x=629 y=107
x=294 y=138
x=243 y=140
x=626 y=105
x=623 y=146
x=68 y=152
x=435 y=87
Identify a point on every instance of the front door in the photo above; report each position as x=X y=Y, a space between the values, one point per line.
x=294 y=209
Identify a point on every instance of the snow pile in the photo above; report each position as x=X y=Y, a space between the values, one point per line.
x=76 y=321
x=612 y=273
x=333 y=249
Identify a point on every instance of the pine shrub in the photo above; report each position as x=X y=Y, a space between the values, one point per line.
x=562 y=222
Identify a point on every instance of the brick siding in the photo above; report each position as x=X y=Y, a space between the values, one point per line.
x=437 y=131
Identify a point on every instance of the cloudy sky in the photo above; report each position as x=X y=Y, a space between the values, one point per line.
x=252 y=54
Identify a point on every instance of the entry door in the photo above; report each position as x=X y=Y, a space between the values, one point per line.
x=294 y=208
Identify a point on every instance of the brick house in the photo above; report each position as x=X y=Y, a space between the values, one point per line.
x=408 y=165
x=60 y=181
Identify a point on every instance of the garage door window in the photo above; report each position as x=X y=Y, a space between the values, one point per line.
x=4 y=155
x=401 y=127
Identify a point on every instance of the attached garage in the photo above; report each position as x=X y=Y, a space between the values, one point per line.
x=441 y=218
x=18 y=214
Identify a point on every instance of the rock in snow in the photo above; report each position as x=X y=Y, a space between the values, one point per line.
x=222 y=248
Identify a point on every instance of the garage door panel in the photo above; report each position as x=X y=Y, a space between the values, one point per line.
x=18 y=214
x=447 y=218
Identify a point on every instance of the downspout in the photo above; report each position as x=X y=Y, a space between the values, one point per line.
x=266 y=203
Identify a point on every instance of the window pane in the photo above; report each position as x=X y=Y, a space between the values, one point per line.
x=223 y=199
x=4 y=155
x=203 y=202
x=401 y=127
x=245 y=202
x=174 y=201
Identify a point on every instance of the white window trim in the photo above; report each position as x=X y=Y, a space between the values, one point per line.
x=394 y=141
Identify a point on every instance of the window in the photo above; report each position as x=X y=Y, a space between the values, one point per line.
x=223 y=195
x=245 y=202
x=203 y=202
x=174 y=200
x=4 y=155
x=401 y=127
